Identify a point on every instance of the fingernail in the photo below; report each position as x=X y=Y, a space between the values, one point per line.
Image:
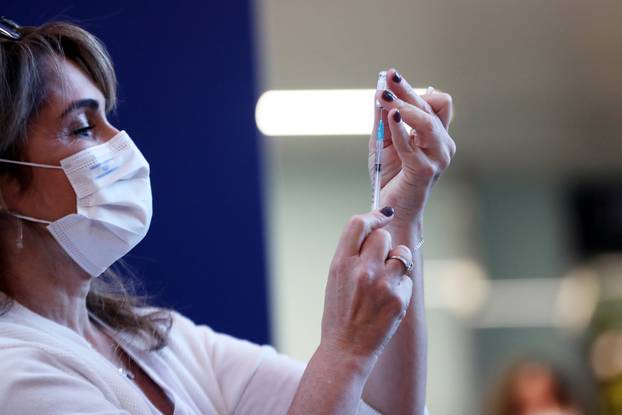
x=430 y=90
x=397 y=78
x=387 y=211
x=388 y=96
x=397 y=117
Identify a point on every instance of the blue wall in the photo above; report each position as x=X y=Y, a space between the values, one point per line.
x=187 y=99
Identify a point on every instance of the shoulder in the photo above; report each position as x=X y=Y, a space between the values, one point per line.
x=24 y=354
x=23 y=357
x=35 y=381
x=21 y=349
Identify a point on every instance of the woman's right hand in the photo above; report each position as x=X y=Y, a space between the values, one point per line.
x=366 y=299
x=367 y=295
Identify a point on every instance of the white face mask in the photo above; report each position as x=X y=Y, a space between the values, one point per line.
x=113 y=212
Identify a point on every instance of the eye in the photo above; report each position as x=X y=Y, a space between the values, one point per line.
x=84 y=132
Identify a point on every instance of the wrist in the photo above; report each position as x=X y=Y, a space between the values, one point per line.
x=409 y=207
x=347 y=361
x=406 y=230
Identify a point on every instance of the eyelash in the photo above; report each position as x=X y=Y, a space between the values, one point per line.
x=83 y=130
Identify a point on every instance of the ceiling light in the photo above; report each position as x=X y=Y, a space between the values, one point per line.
x=312 y=112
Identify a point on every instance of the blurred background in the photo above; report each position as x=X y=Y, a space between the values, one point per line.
x=523 y=229
x=523 y=268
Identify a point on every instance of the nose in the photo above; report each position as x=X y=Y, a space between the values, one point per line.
x=108 y=132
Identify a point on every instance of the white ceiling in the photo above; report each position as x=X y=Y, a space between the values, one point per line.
x=537 y=84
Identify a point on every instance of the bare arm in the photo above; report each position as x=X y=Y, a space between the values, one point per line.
x=332 y=383
x=373 y=329
x=397 y=384
x=412 y=163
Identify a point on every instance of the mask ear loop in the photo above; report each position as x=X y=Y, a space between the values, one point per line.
x=19 y=241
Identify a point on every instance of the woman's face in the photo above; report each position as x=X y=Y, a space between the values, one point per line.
x=72 y=119
x=534 y=388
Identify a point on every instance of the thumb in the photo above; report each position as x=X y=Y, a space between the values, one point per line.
x=359 y=227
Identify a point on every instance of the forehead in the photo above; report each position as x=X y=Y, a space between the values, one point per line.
x=67 y=83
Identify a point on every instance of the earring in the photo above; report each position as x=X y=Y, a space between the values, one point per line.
x=19 y=241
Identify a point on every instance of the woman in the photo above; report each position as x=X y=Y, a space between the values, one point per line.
x=76 y=197
x=535 y=387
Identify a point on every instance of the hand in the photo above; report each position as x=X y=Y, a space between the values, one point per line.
x=367 y=295
x=411 y=162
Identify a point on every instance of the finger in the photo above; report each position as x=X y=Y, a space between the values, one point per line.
x=377 y=246
x=401 y=281
x=397 y=267
x=359 y=227
x=404 y=289
x=416 y=118
x=442 y=105
x=404 y=142
x=401 y=139
x=403 y=90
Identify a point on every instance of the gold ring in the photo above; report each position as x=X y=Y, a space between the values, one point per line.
x=408 y=265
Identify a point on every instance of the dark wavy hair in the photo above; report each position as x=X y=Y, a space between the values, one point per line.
x=505 y=402
x=26 y=67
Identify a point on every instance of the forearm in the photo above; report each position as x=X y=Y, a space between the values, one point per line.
x=397 y=383
x=331 y=384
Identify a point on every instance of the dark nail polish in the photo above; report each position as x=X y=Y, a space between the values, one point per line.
x=397 y=117
x=397 y=78
x=387 y=211
x=388 y=96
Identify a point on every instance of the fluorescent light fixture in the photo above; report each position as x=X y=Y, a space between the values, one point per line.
x=521 y=302
x=577 y=299
x=309 y=112
x=461 y=287
x=458 y=285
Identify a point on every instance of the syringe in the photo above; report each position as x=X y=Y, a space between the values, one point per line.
x=376 y=180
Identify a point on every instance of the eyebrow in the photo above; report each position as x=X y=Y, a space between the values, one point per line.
x=83 y=103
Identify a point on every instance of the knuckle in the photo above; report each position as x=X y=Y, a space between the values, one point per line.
x=427 y=170
x=447 y=98
x=383 y=234
x=445 y=161
x=357 y=222
x=404 y=251
x=393 y=304
x=427 y=107
x=427 y=125
x=364 y=278
x=383 y=289
x=452 y=147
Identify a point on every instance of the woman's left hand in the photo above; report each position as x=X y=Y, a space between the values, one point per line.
x=411 y=161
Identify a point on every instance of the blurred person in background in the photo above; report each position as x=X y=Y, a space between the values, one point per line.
x=535 y=387
x=76 y=197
